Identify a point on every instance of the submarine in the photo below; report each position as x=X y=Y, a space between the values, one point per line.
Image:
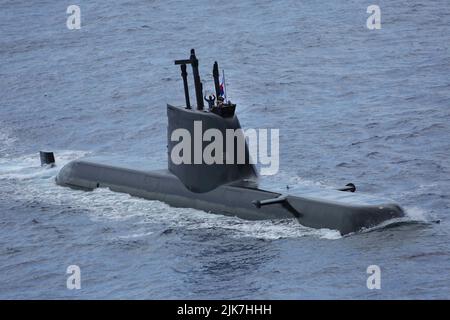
x=226 y=188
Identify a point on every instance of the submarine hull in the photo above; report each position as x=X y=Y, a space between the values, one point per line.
x=337 y=210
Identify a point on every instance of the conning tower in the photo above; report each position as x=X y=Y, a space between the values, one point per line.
x=196 y=174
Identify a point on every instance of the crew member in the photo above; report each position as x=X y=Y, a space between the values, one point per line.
x=210 y=100
x=220 y=101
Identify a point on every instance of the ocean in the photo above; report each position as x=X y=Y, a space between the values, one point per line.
x=370 y=107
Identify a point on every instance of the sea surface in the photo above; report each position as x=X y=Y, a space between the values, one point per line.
x=370 y=107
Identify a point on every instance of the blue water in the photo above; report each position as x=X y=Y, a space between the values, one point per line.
x=367 y=106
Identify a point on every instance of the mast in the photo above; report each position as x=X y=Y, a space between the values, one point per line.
x=193 y=61
x=197 y=82
x=224 y=86
x=216 y=78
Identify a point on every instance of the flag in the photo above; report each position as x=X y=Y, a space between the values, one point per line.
x=222 y=91
x=222 y=86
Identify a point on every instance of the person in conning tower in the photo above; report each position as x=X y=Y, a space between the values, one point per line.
x=220 y=101
x=210 y=101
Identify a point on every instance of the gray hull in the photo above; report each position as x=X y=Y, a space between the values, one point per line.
x=343 y=211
